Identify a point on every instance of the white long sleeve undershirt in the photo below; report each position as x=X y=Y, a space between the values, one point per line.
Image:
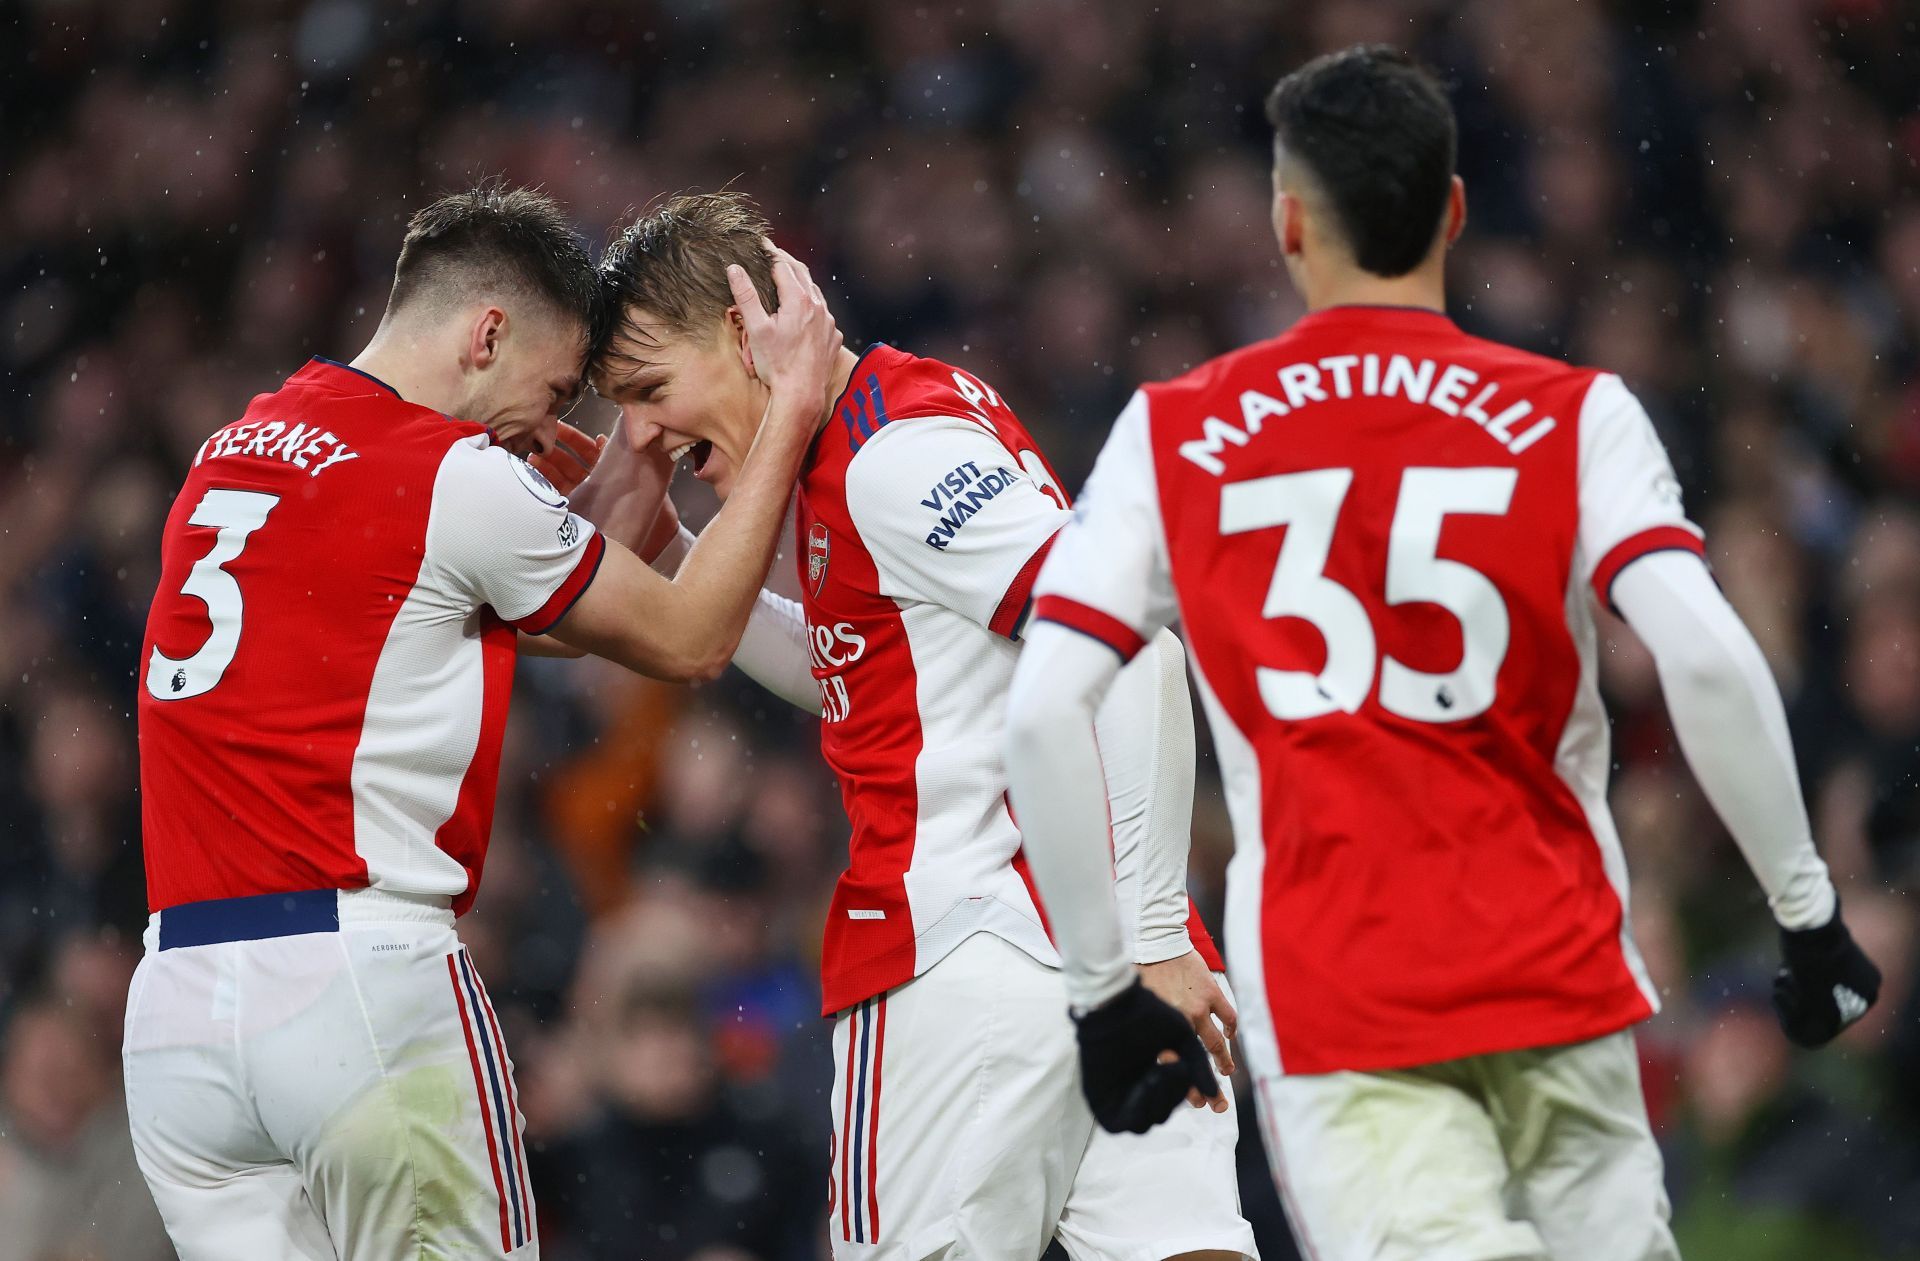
x=1055 y=778
x=1732 y=726
x=1147 y=748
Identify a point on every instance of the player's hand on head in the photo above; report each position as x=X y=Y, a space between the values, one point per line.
x=1825 y=982
x=627 y=495
x=1138 y=1059
x=1186 y=985
x=570 y=459
x=793 y=348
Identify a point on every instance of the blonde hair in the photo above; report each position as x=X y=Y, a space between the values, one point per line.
x=671 y=263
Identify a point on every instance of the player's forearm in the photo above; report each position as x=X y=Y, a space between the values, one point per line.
x=773 y=651
x=1145 y=731
x=687 y=629
x=1727 y=713
x=720 y=579
x=624 y=498
x=1059 y=796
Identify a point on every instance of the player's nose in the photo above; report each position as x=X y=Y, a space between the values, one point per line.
x=640 y=433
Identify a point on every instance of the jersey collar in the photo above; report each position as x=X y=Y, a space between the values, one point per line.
x=853 y=383
x=322 y=368
x=1374 y=313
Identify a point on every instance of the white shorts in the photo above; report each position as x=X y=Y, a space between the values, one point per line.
x=960 y=1132
x=334 y=1093
x=1517 y=1156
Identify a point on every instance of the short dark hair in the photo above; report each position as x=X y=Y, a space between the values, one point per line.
x=1374 y=128
x=672 y=262
x=494 y=237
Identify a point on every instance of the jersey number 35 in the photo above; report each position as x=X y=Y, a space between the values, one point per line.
x=1308 y=504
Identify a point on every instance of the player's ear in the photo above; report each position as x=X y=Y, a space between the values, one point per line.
x=1291 y=222
x=1456 y=209
x=1278 y=213
x=737 y=330
x=485 y=336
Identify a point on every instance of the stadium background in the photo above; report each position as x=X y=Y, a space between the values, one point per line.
x=1716 y=200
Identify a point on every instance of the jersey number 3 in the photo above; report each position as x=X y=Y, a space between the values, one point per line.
x=1308 y=504
x=237 y=514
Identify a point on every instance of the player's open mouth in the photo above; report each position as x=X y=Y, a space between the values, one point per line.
x=699 y=450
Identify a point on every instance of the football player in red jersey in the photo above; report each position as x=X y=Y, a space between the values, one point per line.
x=925 y=508
x=313 y=1068
x=1384 y=539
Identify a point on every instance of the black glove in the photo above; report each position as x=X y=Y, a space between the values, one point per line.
x=1825 y=983
x=1120 y=1045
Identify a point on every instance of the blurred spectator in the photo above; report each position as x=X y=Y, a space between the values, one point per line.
x=69 y=1187
x=675 y=1163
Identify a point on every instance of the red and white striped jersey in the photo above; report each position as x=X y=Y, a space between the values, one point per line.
x=1379 y=535
x=924 y=513
x=329 y=656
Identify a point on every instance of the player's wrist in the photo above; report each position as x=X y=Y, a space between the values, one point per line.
x=1809 y=904
x=786 y=429
x=1090 y=992
x=773 y=460
x=1816 y=944
x=793 y=409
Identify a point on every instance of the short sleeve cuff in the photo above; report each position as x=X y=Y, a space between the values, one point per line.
x=1012 y=612
x=1090 y=622
x=1665 y=538
x=548 y=615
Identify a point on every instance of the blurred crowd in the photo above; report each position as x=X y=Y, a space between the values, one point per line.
x=1714 y=198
